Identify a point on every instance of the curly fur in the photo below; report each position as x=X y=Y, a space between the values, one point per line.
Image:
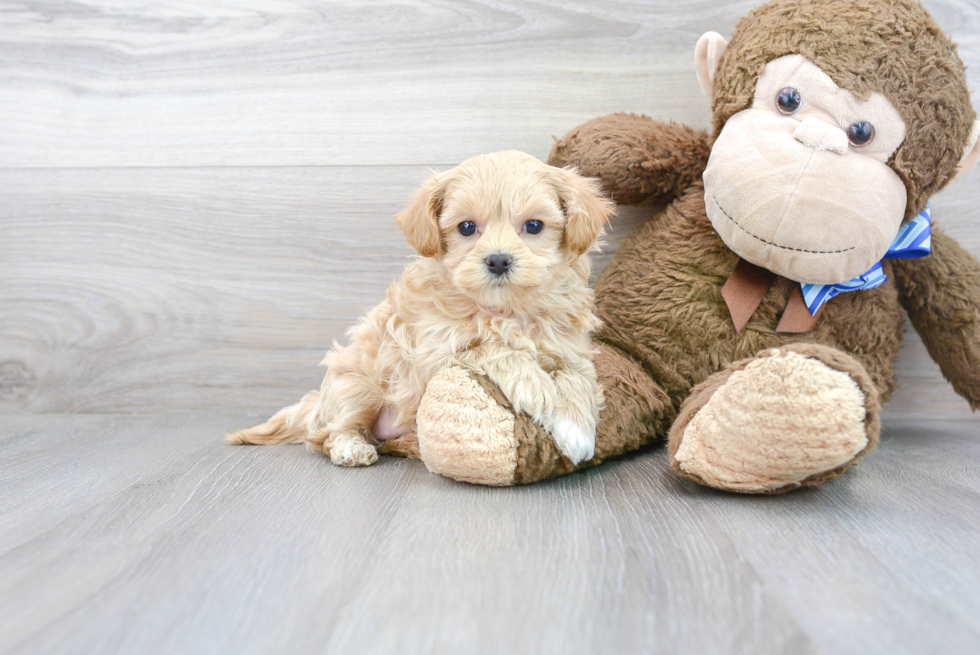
x=528 y=330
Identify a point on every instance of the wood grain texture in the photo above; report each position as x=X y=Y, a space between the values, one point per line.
x=147 y=534
x=149 y=290
x=173 y=290
x=291 y=83
x=384 y=82
x=196 y=198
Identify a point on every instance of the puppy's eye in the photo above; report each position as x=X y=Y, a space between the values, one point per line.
x=533 y=226
x=788 y=101
x=467 y=228
x=860 y=133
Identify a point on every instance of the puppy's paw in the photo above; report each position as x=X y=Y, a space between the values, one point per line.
x=575 y=443
x=352 y=451
x=532 y=393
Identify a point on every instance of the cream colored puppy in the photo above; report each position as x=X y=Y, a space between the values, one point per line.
x=501 y=288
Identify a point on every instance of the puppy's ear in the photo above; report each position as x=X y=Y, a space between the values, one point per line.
x=586 y=210
x=420 y=220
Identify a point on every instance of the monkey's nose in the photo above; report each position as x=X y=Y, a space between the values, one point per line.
x=821 y=135
x=498 y=263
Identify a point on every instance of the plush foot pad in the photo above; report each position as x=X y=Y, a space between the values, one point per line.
x=464 y=433
x=775 y=422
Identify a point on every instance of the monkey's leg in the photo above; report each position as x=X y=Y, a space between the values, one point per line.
x=791 y=416
x=468 y=431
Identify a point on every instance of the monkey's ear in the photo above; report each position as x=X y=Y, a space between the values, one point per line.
x=971 y=154
x=586 y=210
x=707 y=55
x=420 y=220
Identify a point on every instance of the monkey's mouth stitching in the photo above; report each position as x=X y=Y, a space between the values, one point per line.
x=770 y=243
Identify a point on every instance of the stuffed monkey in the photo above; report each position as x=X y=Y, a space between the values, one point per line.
x=754 y=322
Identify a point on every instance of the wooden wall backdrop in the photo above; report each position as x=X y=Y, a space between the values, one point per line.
x=196 y=197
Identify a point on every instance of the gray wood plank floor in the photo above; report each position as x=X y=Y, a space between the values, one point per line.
x=144 y=534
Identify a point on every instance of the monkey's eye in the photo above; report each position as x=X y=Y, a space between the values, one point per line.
x=861 y=133
x=533 y=226
x=788 y=101
x=467 y=228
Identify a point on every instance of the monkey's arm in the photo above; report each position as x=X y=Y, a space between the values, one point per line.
x=941 y=294
x=636 y=157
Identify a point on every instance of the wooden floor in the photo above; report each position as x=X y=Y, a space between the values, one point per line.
x=196 y=199
x=145 y=534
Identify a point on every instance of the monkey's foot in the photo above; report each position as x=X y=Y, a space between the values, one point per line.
x=464 y=432
x=792 y=416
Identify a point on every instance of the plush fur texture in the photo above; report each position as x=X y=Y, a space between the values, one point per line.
x=786 y=418
x=780 y=187
x=941 y=294
x=470 y=432
x=669 y=344
x=528 y=330
x=476 y=440
x=660 y=300
x=637 y=160
x=893 y=47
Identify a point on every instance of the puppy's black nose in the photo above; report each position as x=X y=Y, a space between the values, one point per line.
x=498 y=264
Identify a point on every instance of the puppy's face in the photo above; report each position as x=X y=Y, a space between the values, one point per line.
x=505 y=224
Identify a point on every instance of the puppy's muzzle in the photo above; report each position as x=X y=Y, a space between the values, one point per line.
x=498 y=263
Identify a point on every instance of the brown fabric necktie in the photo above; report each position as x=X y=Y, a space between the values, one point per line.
x=748 y=285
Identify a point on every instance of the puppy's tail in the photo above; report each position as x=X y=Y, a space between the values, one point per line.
x=287 y=426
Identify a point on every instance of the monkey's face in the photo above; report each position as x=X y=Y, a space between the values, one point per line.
x=800 y=184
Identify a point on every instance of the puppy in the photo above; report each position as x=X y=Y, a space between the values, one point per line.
x=501 y=288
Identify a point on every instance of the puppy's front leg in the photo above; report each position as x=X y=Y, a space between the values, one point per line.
x=341 y=420
x=576 y=409
x=517 y=374
x=350 y=396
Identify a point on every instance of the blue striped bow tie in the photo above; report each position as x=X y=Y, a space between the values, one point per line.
x=914 y=240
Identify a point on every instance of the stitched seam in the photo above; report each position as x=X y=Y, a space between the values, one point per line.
x=770 y=243
x=789 y=199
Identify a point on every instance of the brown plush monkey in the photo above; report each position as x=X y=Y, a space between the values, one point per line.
x=834 y=122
